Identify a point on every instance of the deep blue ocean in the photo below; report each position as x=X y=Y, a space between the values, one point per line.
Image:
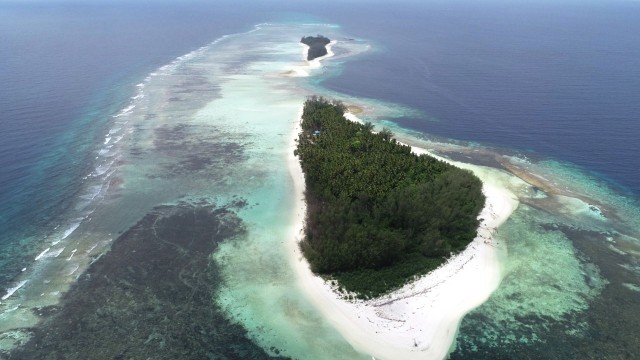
x=555 y=81
x=65 y=70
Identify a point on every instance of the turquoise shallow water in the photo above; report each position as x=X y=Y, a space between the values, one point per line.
x=214 y=127
x=569 y=265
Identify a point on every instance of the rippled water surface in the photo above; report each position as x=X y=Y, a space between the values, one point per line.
x=197 y=144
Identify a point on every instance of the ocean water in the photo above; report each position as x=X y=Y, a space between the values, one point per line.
x=167 y=110
x=64 y=78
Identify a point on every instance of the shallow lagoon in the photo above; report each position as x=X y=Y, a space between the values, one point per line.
x=214 y=127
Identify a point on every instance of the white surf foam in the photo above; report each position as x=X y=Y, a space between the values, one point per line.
x=72 y=253
x=64 y=235
x=52 y=254
x=103 y=168
x=12 y=290
x=73 y=270
x=126 y=111
x=42 y=253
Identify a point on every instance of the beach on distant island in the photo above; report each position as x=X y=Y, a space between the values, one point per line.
x=419 y=320
x=302 y=70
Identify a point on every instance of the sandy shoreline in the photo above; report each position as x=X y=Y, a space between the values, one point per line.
x=420 y=320
x=303 y=70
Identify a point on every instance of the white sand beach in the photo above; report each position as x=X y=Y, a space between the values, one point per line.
x=420 y=320
x=302 y=70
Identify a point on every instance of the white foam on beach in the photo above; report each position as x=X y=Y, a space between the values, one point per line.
x=420 y=320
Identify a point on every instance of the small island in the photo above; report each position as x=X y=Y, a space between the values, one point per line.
x=317 y=46
x=378 y=216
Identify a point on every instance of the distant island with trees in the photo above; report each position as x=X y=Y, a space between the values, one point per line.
x=378 y=216
x=317 y=46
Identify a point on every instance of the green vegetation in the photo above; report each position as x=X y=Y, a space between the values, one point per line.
x=377 y=214
x=317 y=46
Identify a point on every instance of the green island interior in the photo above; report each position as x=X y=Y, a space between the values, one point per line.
x=378 y=215
x=317 y=46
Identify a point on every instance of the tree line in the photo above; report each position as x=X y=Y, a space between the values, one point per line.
x=377 y=214
x=317 y=46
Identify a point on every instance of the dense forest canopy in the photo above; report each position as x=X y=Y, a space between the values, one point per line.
x=317 y=46
x=377 y=214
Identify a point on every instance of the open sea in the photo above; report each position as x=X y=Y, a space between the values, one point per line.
x=123 y=124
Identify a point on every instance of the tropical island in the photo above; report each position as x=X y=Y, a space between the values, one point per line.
x=317 y=46
x=378 y=215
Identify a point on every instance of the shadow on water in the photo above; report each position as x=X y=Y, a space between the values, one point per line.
x=150 y=296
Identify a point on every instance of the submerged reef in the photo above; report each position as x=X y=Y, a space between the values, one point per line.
x=151 y=296
x=564 y=309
